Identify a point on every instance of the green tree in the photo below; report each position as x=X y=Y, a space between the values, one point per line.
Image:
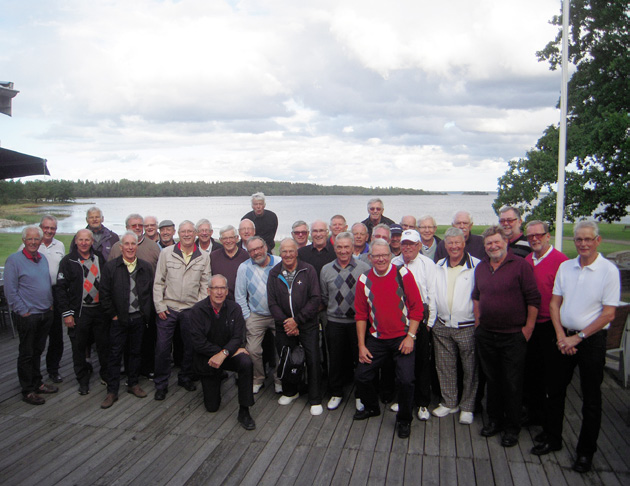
x=598 y=123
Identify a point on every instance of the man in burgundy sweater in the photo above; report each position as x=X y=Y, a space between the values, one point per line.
x=505 y=303
x=389 y=299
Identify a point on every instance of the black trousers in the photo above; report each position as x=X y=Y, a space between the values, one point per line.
x=89 y=327
x=343 y=355
x=211 y=380
x=502 y=357
x=538 y=371
x=590 y=359
x=32 y=331
x=55 y=343
x=124 y=335
x=384 y=351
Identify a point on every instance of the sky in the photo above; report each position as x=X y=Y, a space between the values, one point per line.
x=407 y=93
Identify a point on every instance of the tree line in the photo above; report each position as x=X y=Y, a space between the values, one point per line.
x=67 y=191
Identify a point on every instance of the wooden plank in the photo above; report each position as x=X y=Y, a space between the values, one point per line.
x=483 y=471
x=413 y=469
x=378 y=470
x=430 y=470
x=465 y=470
x=396 y=469
x=345 y=466
x=448 y=470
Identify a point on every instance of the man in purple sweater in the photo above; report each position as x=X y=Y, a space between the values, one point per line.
x=505 y=303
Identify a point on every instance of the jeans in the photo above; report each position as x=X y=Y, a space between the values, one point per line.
x=32 y=331
x=163 y=347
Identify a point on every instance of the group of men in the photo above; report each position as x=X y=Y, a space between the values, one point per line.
x=505 y=308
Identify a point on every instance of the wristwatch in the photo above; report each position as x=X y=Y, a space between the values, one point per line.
x=412 y=336
x=226 y=352
x=581 y=335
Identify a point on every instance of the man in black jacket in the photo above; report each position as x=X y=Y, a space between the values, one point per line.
x=127 y=299
x=77 y=292
x=217 y=328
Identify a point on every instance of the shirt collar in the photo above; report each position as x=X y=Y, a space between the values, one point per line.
x=538 y=260
x=34 y=258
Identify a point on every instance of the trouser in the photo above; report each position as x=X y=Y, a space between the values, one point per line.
x=383 y=351
x=538 y=369
x=422 y=388
x=590 y=359
x=309 y=339
x=257 y=325
x=164 y=345
x=147 y=353
x=211 y=382
x=502 y=357
x=124 y=334
x=343 y=354
x=451 y=343
x=55 y=342
x=89 y=326
x=32 y=331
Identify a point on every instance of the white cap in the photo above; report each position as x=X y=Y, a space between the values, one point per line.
x=410 y=235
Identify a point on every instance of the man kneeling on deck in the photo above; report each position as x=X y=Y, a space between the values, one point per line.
x=217 y=328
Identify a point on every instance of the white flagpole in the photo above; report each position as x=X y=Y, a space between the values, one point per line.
x=562 y=149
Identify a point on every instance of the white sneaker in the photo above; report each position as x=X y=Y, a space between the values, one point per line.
x=277 y=387
x=358 y=404
x=423 y=413
x=466 y=418
x=257 y=388
x=285 y=400
x=317 y=409
x=442 y=411
x=394 y=407
x=334 y=402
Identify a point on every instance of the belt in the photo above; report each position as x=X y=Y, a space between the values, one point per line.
x=571 y=332
x=459 y=324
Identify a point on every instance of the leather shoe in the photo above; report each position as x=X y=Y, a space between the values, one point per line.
x=109 y=400
x=545 y=448
x=366 y=413
x=33 y=399
x=246 y=420
x=404 y=430
x=541 y=437
x=160 y=394
x=55 y=377
x=44 y=388
x=583 y=464
x=509 y=440
x=137 y=391
x=188 y=385
x=491 y=429
x=84 y=389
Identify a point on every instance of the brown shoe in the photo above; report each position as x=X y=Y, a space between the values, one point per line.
x=33 y=399
x=137 y=391
x=109 y=400
x=44 y=388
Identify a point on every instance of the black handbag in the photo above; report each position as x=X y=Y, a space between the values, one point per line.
x=292 y=364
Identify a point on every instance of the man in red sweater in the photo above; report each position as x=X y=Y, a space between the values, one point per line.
x=388 y=298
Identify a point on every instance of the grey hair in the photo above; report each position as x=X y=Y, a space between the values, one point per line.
x=93 y=209
x=359 y=224
x=154 y=218
x=462 y=211
x=49 y=217
x=299 y=222
x=494 y=230
x=203 y=221
x=186 y=221
x=133 y=216
x=289 y=240
x=258 y=196
x=344 y=235
x=586 y=224
x=504 y=209
x=32 y=227
x=379 y=242
x=338 y=216
x=376 y=200
x=227 y=228
x=225 y=280
x=383 y=226
x=453 y=232
x=256 y=238
x=537 y=221
x=129 y=233
x=427 y=216
x=319 y=221
x=243 y=220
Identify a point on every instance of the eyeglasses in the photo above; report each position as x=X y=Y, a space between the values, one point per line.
x=254 y=250
x=507 y=220
x=535 y=236
x=302 y=233
x=137 y=225
x=375 y=209
x=385 y=256
x=588 y=241
x=218 y=288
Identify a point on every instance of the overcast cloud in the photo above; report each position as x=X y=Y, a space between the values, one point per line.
x=405 y=93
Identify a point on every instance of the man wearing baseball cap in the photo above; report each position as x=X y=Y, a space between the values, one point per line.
x=167 y=231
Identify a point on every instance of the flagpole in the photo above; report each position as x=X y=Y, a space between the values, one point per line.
x=562 y=149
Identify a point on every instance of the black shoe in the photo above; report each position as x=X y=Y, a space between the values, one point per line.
x=246 y=420
x=545 y=448
x=55 y=377
x=160 y=394
x=404 y=430
x=509 y=439
x=188 y=385
x=583 y=464
x=84 y=389
x=366 y=414
x=491 y=429
x=542 y=437
x=33 y=399
x=44 y=388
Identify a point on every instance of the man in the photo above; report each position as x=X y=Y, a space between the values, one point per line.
x=226 y=260
x=151 y=228
x=424 y=272
x=147 y=250
x=299 y=232
x=585 y=295
x=293 y=292
x=78 y=294
x=510 y=220
x=318 y=253
x=453 y=332
x=395 y=239
x=216 y=332
x=408 y=222
x=251 y=294
x=181 y=280
x=360 y=235
x=265 y=221
x=539 y=362
x=246 y=229
x=103 y=238
x=54 y=250
x=505 y=304
x=29 y=294
x=389 y=299
x=427 y=226
x=337 y=225
x=167 y=232
x=337 y=283
x=474 y=243
x=204 y=236
x=375 y=208
x=127 y=300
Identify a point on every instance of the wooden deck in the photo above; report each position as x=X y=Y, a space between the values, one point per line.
x=70 y=440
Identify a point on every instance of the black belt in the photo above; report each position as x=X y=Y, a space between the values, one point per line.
x=571 y=332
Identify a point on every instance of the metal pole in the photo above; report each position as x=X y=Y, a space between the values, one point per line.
x=562 y=149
